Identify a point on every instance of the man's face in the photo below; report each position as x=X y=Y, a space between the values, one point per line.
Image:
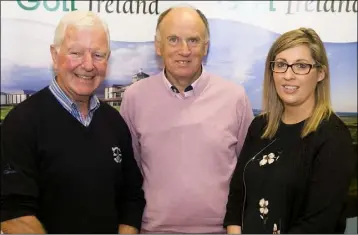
x=81 y=62
x=183 y=44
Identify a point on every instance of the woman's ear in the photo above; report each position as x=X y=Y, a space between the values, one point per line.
x=321 y=74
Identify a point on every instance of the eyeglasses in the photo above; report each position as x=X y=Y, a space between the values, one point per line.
x=191 y=42
x=297 y=68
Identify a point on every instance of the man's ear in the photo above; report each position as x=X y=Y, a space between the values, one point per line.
x=206 y=48
x=157 y=45
x=54 y=54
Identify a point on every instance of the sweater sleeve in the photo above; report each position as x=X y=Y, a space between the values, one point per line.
x=244 y=111
x=328 y=185
x=131 y=199
x=19 y=173
x=236 y=194
x=126 y=109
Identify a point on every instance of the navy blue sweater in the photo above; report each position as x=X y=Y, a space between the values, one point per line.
x=74 y=179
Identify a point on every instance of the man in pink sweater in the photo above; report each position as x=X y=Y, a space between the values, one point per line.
x=188 y=127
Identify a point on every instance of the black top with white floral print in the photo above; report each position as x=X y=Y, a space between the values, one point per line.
x=292 y=185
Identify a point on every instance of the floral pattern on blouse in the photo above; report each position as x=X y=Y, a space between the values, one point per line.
x=275 y=230
x=264 y=209
x=268 y=159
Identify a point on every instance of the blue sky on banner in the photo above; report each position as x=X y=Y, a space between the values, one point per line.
x=242 y=33
x=237 y=52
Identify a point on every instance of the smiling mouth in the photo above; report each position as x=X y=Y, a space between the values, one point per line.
x=84 y=77
x=290 y=88
x=182 y=62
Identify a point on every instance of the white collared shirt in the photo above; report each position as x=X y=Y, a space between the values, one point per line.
x=189 y=90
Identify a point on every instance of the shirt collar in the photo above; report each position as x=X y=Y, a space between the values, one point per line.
x=190 y=88
x=67 y=102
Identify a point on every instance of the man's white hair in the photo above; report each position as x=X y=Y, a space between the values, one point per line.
x=78 y=19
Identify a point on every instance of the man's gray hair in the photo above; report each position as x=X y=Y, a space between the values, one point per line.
x=165 y=13
x=78 y=19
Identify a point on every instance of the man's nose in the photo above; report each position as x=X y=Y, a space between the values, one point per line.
x=184 y=48
x=87 y=62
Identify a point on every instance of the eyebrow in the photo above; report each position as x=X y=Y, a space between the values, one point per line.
x=194 y=37
x=174 y=35
x=296 y=61
x=302 y=60
x=94 y=49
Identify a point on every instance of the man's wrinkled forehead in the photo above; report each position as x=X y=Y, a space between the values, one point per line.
x=86 y=35
x=182 y=20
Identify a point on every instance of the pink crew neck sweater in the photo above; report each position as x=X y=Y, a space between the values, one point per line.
x=187 y=150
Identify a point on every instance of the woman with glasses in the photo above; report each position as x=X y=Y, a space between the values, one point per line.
x=297 y=161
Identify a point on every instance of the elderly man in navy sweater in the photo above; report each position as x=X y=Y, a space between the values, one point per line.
x=67 y=161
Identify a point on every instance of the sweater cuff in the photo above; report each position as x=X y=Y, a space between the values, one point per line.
x=15 y=207
x=132 y=215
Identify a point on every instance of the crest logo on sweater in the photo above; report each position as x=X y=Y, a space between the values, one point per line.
x=9 y=170
x=117 y=154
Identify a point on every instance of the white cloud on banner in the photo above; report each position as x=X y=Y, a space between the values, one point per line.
x=236 y=49
x=26 y=43
x=128 y=59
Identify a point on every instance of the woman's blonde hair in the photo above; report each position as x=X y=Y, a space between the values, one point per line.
x=272 y=105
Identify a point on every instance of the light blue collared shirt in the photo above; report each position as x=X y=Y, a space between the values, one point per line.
x=71 y=106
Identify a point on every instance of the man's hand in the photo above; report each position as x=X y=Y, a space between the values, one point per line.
x=233 y=229
x=25 y=224
x=127 y=229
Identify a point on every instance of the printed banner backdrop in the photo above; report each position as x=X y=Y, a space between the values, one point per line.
x=241 y=35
